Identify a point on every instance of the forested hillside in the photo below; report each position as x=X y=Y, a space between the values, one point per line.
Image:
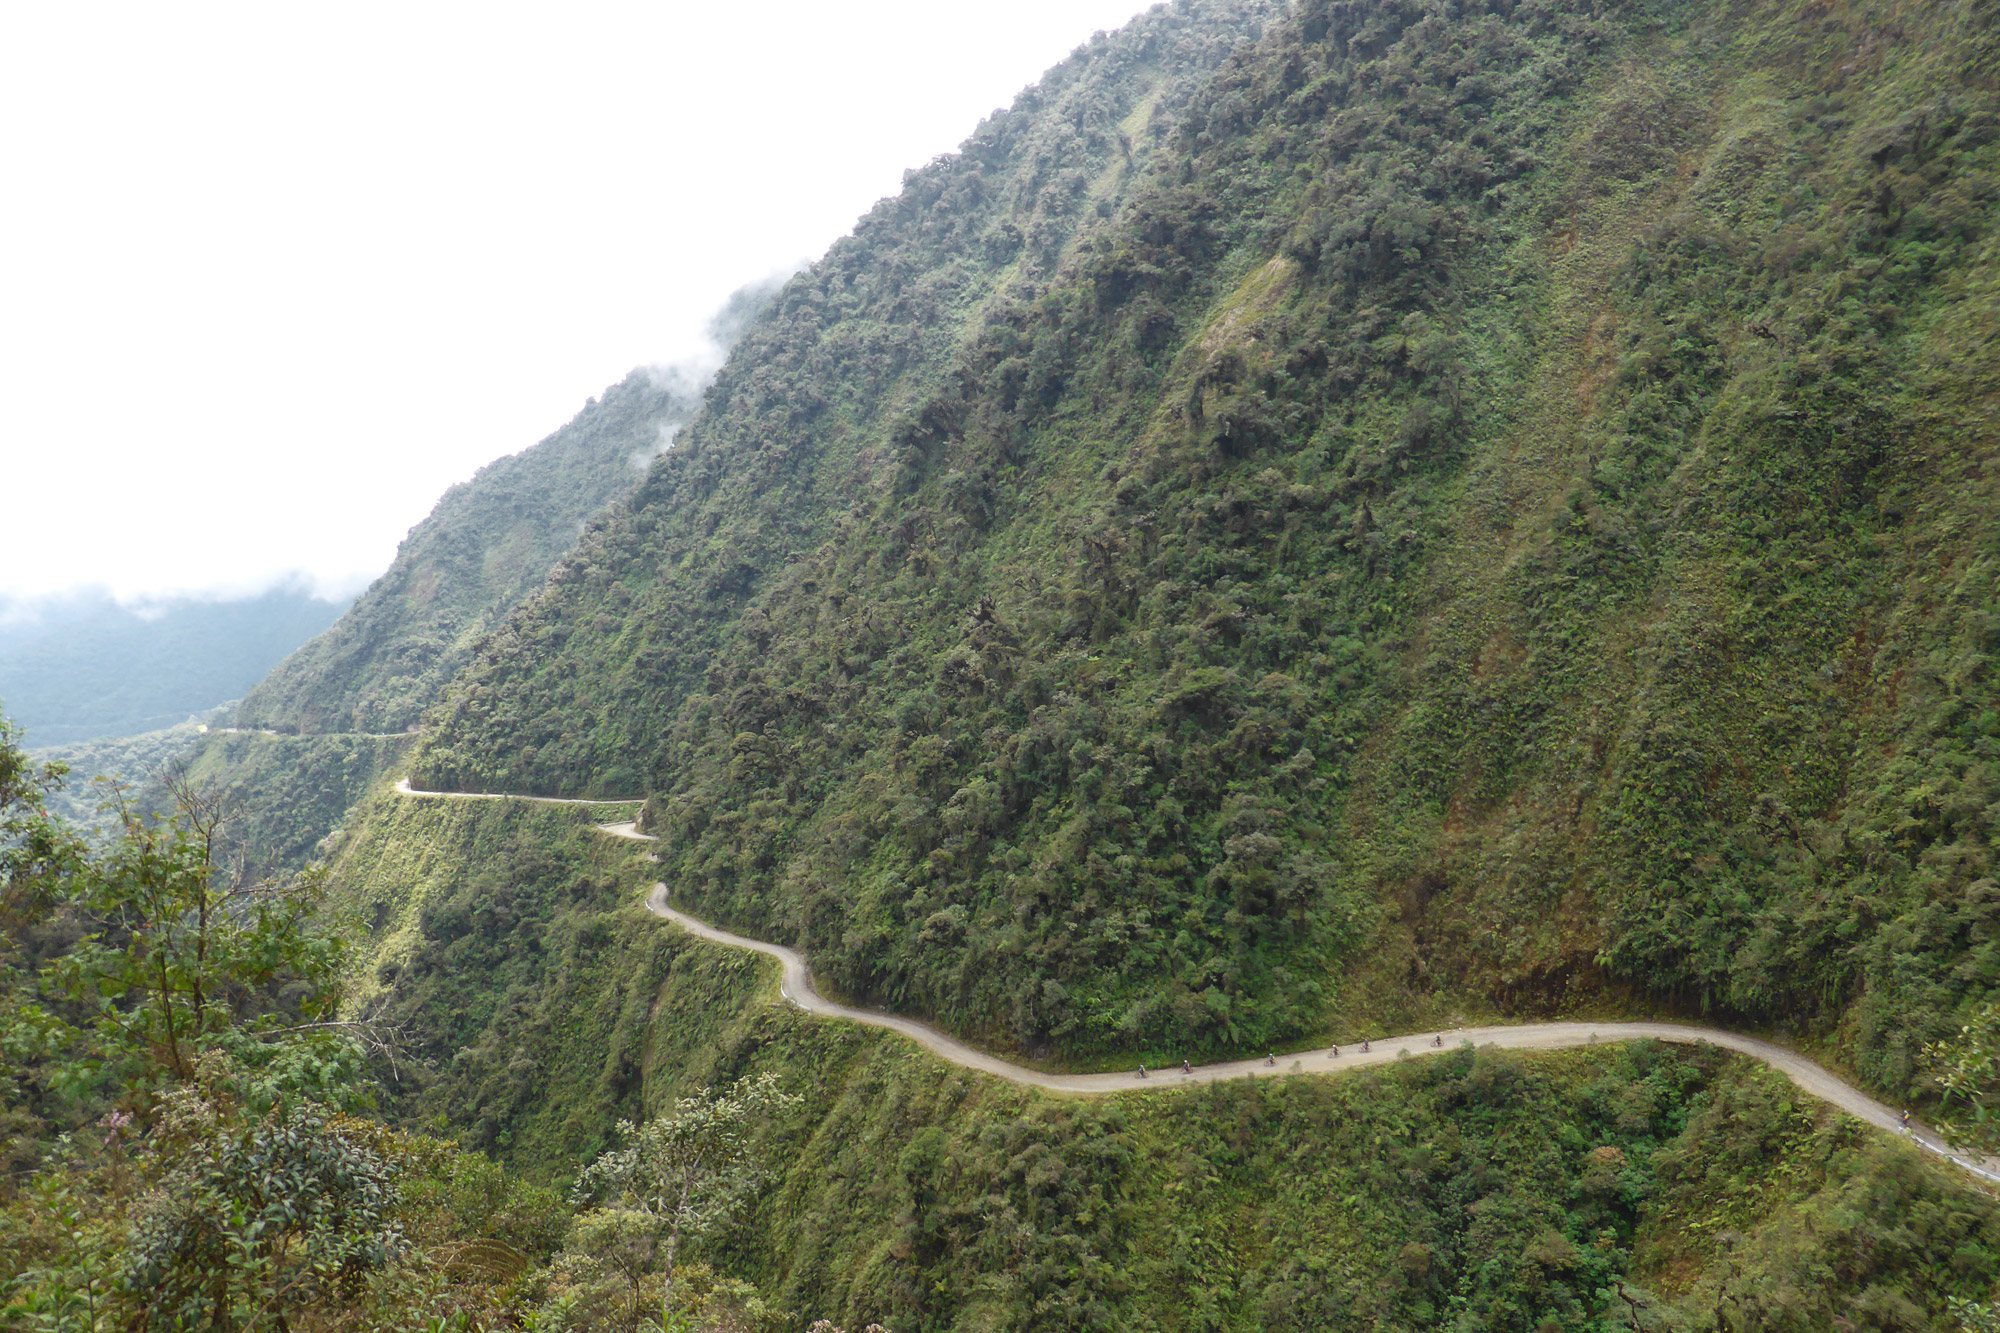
x=285 y=794
x=1493 y=511
x=1323 y=518
x=99 y=769
x=485 y=547
x=798 y=419
x=192 y=1139
x=1463 y=1191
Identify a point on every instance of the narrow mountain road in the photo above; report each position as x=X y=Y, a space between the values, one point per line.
x=795 y=984
x=404 y=788
x=310 y=735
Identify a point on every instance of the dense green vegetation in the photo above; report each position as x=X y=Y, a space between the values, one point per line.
x=287 y=794
x=791 y=431
x=179 y=1143
x=1319 y=517
x=485 y=920
x=86 y=667
x=486 y=546
x=1463 y=1191
x=1493 y=512
x=123 y=763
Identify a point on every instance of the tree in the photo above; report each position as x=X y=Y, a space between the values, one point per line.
x=1972 y=1316
x=182 y=954
x=1967 y=1071
x=37 y=856
x=152 y=978
x=677 y=1178
x=35 y=848
x=252 y=1217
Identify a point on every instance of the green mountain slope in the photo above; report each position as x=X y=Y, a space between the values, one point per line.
x=126 y=763
x=796 y=424
x=286 y=794
x=283 y=794
x=1492 y=511
x=485 y=547
x=1466 y=1190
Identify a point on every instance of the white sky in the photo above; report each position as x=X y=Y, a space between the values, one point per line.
x=273 y=275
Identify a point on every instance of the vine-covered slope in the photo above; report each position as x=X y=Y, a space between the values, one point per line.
x=1496 y=507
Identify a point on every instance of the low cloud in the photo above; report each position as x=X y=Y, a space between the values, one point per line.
x=725 y=328
x=26 y=611
x=689 y=378
x=664 y=438
x=26 y=617
x=148 y=584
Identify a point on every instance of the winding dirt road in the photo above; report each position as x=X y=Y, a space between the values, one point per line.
x=795 y=984
x=404 y=788
x=312 y=735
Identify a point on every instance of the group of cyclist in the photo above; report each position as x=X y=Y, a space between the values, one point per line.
x=1272 y=1058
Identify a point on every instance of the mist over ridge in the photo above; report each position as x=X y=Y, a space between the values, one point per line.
x=486 y=546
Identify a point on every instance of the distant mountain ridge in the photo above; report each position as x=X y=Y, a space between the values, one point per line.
x=344 y=702
x=86 y=668
x=486 y=545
